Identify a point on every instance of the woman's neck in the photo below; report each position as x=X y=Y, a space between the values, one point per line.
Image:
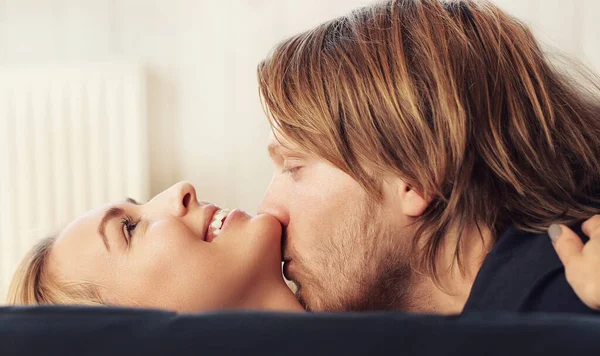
x=274 y=296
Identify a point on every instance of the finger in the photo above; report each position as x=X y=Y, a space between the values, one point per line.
x=591 y=227
x=567 y=244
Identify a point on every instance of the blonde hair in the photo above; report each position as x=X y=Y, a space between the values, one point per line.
x=458 y=100
x=32 y=284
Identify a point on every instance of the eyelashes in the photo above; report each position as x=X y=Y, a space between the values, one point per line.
x=128 y=227
x=291 y=166
x=290 y=171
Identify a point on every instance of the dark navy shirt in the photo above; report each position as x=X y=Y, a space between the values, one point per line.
x=523 y=273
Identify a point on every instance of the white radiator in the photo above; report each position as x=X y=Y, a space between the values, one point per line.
x=70 y=140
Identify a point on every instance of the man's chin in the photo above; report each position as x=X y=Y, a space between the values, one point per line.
x=300 y=297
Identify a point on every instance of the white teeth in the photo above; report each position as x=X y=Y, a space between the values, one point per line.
x=217 y=221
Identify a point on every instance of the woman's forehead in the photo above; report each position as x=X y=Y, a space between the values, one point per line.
x=84 y=222
x=79 y=247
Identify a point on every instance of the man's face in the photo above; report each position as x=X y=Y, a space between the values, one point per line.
x=342 y=249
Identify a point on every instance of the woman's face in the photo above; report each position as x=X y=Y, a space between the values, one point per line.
x=164 y=254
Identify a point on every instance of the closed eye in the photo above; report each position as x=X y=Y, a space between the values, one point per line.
x=291 y=170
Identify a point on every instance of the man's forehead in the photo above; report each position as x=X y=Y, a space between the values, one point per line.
x=278 y=141
x=279 y=137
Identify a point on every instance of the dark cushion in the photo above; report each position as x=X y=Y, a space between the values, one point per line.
x=115 y=331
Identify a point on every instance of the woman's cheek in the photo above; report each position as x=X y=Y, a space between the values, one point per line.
x=163 y=247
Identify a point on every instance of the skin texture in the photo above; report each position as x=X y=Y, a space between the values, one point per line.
x=343 y=250
x=582 y=261
x=164 y=261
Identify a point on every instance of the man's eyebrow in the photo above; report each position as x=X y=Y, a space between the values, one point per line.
x=111 y=213
x=273 y=149
x=278 y=149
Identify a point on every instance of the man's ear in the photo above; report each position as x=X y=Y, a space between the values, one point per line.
x=412 y=202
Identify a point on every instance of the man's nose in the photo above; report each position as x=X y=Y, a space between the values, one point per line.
x=177 y=200
x=273 y=204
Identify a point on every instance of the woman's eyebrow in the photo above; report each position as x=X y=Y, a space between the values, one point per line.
x=132 y=201
x=111 y=213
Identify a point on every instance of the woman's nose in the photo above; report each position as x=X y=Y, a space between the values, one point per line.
x=178 y=199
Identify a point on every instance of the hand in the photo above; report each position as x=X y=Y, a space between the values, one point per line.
x=582 y=262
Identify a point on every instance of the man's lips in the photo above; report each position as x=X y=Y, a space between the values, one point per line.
x=283 y=244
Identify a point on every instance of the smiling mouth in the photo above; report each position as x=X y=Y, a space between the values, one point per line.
x=214 y=228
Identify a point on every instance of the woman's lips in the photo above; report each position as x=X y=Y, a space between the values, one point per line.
x=231 y=217
x=234 y=215
x=210 y=211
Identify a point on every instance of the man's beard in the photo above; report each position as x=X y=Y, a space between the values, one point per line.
x=389 y=290
x=360 y=267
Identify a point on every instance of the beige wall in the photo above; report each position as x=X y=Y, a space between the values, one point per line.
x=206 y=124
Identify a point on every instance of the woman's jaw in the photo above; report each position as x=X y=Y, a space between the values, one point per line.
x=260 y=237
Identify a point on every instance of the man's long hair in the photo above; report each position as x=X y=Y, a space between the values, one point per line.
x=458 y=100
